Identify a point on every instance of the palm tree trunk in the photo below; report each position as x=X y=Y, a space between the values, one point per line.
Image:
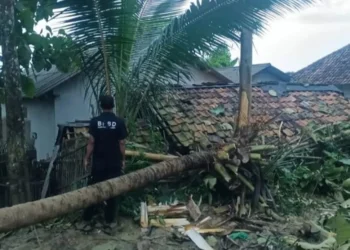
x=14 y=108
x=34 y=212
x=245 y=77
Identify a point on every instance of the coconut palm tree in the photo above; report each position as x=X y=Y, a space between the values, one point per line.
x=135 y=48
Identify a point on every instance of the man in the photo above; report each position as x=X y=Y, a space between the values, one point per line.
x=107 y=147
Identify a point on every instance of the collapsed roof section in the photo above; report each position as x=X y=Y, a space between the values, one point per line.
x=197 y=116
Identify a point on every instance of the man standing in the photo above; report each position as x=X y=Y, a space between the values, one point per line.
x=107 y=147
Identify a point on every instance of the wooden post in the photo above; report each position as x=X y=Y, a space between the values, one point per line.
x=245 y=78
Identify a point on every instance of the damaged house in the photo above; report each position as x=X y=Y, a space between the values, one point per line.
x=201 y=110
x=61 y=98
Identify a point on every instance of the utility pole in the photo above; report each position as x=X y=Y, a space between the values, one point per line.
x=245 y=78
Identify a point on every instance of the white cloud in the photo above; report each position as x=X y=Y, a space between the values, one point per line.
x=299 y=39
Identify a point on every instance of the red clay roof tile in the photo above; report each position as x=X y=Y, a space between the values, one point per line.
x=188 y=112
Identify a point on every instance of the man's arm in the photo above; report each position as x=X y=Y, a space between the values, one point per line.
x=122 y=150
x=90 y=147
x=91 y=144
x=123 y=133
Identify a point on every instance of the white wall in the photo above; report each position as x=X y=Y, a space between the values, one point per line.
x=70 y=101
x=41 y=115
x=200 y=76
x=265 y=76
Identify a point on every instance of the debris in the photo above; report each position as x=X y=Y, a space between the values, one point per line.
x=167 y=210
x=222 y=171
x=211 y=230
x=239 y=236
x=206 y=219
x=346 y=204
x=313 y=228
x=198 y=239
x=345 y=247
x=221 y=210
x=329 y=243
x=144 y=215
x=229 y=228
x=219 y=110
x=346 y=184
x=194 y=210
x=212 y=241
x=180 y=222
x=272 y=93
x=144 y=245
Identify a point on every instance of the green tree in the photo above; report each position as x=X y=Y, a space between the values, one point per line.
x=24 y=50
x=221 y=57
x=134 y=48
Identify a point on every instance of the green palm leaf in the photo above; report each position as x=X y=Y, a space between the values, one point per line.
x=143 y=45
x=203 y=28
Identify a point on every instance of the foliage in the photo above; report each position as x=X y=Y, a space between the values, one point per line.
x=221 y=57
x=317 y=163
x=139 y=47
x=37 y=51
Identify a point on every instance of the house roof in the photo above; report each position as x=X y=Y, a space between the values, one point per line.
x=198 y=114
x=331 y=69
x=46 y=81
x=232 y=73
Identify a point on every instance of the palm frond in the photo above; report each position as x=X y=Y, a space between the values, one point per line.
x=205 y=26
x=148 y=45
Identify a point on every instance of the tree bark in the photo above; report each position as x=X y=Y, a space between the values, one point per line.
x=34 y=212
x=14 y=109
x=245 y=78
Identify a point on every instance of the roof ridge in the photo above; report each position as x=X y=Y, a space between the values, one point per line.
x=256 y=64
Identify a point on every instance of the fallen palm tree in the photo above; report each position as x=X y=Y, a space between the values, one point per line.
x=38 y=211
x=242 y=167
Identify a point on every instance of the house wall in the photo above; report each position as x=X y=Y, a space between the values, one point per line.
x=41 y=115
x=345 y=88
x=202 y=76
x=70 y=102
x=264 y=76
x=199 y=77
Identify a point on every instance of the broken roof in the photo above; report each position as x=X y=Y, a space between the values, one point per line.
x=332 y=69
x=232 y=73
x=199 y=114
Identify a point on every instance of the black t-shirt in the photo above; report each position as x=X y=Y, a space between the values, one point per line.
x=107 y=130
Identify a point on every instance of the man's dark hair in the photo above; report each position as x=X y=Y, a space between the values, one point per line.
x=106 y=102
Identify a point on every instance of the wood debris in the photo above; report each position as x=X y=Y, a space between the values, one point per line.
x=177 y=222
x=193 y=209
x=144 y=215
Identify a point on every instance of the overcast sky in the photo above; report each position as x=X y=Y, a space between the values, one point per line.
x=299 y=39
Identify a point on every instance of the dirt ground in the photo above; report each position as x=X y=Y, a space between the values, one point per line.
x=63 y=234
x=125 y=237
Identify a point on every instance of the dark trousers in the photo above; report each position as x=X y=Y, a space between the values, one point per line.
x=102 y=172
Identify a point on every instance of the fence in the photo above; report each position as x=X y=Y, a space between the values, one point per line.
x=37 y=171
x=69 y=168
x=68 y=173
